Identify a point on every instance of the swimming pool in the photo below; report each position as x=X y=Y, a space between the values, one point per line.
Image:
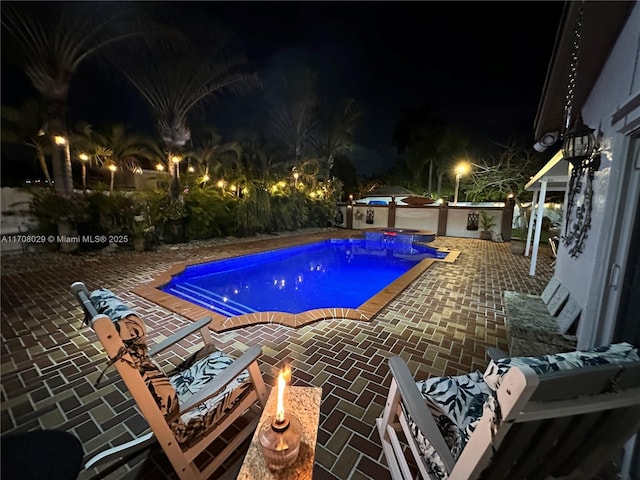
x=154 y=291
x=327 y=274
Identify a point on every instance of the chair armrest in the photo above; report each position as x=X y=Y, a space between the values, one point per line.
x=496 y=354
x=179 y=335
x=82 y=294
x=417 y=409
x=222 y=380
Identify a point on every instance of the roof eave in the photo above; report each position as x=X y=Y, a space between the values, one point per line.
x=601 y=25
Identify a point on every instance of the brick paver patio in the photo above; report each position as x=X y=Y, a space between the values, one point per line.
x=441 y=324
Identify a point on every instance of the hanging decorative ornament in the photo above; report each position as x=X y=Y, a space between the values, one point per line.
x=579 y=147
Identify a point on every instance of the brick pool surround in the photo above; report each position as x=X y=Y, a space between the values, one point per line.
x=219 y=323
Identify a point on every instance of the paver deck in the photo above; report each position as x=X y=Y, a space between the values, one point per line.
x=441 y=324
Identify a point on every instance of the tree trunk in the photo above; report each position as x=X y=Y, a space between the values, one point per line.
x=61 y=162
x=430 y=180
x=60 y=157
x=43 y=166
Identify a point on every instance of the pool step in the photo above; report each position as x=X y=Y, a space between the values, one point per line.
x=218 y=303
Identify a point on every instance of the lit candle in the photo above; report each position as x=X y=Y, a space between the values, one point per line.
x=283 y=377
x=280 y=405
x=280 y=435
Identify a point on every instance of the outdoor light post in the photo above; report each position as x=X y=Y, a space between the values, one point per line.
x=84 y=157
x=113 y=169
x=461 y=168
x=295 y=175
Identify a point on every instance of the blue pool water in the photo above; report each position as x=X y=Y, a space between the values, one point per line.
x=326 y=274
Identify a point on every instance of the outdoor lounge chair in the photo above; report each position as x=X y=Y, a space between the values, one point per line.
x=561 y=416
x=189 y=409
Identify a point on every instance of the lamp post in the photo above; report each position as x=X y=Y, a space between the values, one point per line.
x=84 y=157
x=113 y=169
x=461 y=169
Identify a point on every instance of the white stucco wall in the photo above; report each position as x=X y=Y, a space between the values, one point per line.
x=423 y=218
x=457 y=222
x=380 y=216
x=587 y=275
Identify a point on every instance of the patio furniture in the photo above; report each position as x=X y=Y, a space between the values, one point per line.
x=539 y=325
x=189 y=409
x=556 y=416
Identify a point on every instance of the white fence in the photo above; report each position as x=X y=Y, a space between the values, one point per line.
x=15 y=219
x=444 y=220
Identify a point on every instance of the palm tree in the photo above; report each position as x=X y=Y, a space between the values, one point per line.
x=214 y=158
x=53 y=40
x=174 y=82
x=337 y=131
x=116 y=146
x=127 y=148
x=421 y=138
x=295 y=125
x=89 y=146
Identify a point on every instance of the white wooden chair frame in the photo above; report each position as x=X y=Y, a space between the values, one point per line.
x=182 y=458
x=575 y=410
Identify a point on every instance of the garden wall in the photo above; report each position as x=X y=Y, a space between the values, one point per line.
x=445 y=220
x=15 y=219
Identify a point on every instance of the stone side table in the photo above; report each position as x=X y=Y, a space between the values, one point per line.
x=304 y=403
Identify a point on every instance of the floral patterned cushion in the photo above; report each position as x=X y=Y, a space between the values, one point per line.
x=169 y=392
x=456 y=406
x=616 y=353
x=133 y=333
x=207 y=415
x=107 y=303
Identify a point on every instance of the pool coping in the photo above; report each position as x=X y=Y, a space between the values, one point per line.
x=219 y=323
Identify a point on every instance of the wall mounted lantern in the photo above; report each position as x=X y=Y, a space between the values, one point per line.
x=579 y=143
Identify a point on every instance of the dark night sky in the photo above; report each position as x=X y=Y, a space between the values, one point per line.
x=478 y=64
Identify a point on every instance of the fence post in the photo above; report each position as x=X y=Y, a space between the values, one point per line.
x=349 y=219
x=443 y=211
x=391 y=219
x=507 y=219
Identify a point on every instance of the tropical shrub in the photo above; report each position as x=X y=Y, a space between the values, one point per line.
x=320 y=213
x=207 y=215
x=253 y=212
x=50 y=209
x=289 y=213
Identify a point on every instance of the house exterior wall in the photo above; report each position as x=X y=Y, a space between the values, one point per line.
x=588 y=275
